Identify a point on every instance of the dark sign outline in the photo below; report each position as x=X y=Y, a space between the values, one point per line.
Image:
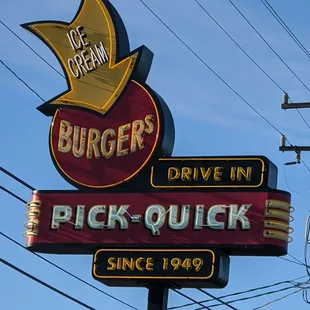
x=153 y=277
x=209 y=159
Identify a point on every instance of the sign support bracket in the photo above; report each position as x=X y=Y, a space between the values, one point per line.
x=157 y=297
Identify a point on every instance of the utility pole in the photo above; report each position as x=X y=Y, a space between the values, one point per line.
x=293 y=148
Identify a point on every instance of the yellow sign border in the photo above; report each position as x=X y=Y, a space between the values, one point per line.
x=63 y=97
x=153 y=277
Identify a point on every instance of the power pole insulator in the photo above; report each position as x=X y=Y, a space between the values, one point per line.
x=283 y=141
x=285 y=98
x=292 y=148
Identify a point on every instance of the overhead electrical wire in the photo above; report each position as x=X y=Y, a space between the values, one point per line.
x=252 y=297
x=299 y=261
x=219 y=77
x=238 y=45
x=249 y=56
x=291 y=261
x=20 y=79
x=305 y=164
x=285 y=27
x=45 y=284
x=191 y=299
x=41 y=257
x=217 y=299
x=213 y=71
x=246 y=292
x=65 y=271
x=277 y=299
x=279 y=57
x=24 y=42
x=271 y=48
x=12 y=194
x=14 y=177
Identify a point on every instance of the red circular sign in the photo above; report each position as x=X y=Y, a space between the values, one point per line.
x=103 y=151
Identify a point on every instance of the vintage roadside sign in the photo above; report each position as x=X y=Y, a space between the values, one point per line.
x=112 y=138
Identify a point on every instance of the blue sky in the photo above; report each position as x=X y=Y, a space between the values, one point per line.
x=209 y=120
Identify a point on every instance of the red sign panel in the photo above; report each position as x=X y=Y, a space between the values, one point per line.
x=245 y=223
x=92 y=150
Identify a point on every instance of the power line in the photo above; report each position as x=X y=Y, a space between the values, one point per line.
x=12 y=194
x=288 y=31
x=278 y=299
x=218 y=76
x=45 y=284
x=191 y=299
x=273 y=50
x=285 y=27
x=217 y=299
x=302 y=117
x=65 y=271
x=291 y=261
x=53 y=264
x=21 y=80
x=249 y=56
x=23 y=41
x=242 y=292
x=305 y=165
x=13 y=176
x=279 y=57
x=252 y=297
x=296 y=259
x=213 y=71
x=238 y=45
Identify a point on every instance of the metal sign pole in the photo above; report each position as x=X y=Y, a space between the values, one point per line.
x=157 y=297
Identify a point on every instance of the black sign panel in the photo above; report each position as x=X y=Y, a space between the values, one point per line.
x=214 y=173
x=137 y=267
